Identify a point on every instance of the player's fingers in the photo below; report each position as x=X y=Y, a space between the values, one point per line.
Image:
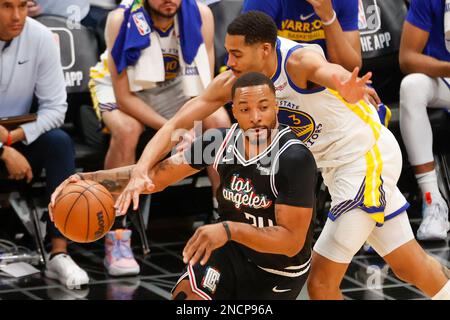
x=366 y=77
x=53 y=197
x=74 y=178
x=121 y=202
x=207 y=254
x=149 y=186
x=29 y=175
x=372 y=101
x=126 y=203
x=354 y=75
x=190 y=248
x=50 y=211
x=373 y=93
x=198 y=254
x=118 y=201
x=188 y=251
x=190 y=242
x=135 y=200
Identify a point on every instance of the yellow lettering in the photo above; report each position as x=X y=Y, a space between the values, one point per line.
x=296 y=121
x=171 y=65
x=306 y=26
x=302 y=36
x=298 y=26
x=317 y=24
x=290 y=25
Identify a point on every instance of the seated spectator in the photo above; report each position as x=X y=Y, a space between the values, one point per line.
x=130 y=95
x=333 y=24
x=425 y=58
x=31 y=67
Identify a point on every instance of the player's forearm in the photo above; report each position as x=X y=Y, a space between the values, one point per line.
x=339 y=48
x=323 y=75
x=413 y=62
x=170 y=171
x=114 y=180
x=276 y=240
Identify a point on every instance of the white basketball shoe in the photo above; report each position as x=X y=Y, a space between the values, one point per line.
x=435 y=224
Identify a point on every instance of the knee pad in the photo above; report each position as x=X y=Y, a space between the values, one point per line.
x=346 y=245
x=351 y=234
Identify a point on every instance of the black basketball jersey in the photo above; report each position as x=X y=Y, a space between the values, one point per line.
x=284 y=173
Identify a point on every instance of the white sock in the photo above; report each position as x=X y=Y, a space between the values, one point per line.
x=428 y=183
x=444 y=293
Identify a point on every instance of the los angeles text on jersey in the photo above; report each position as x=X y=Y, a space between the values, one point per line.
x=225 y=309
x=301 y=123
x=241 y=192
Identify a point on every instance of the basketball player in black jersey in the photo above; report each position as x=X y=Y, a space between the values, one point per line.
x=261 y=248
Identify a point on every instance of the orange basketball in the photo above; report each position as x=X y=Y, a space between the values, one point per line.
x=84 y=211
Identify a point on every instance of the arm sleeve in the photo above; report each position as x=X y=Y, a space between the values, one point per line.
x=270 y=7
x=347 y=14
x=296 y=177
x=419 y=14
x=50 y=90
x=203 y=150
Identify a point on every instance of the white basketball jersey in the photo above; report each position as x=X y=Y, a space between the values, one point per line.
x=335 y=131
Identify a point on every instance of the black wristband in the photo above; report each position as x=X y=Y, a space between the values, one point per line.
x=227 y=230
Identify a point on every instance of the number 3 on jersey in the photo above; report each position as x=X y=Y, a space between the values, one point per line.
x=296 y=121
x=258 y=221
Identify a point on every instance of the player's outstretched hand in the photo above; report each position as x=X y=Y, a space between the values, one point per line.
x=140 y=183
x=374 y=99
x=355 y=89
x=72 y=179
x=203 y=242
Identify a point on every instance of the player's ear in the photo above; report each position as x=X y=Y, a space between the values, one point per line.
x=267 y=48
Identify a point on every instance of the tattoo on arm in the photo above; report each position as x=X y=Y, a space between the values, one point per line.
x=114 y=180
x=169 y=163
x=111 y=185
x=162 y=166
